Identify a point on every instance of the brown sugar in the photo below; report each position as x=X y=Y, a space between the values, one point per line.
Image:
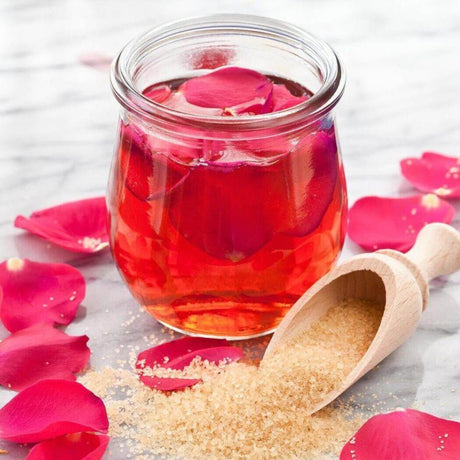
x=245 y=411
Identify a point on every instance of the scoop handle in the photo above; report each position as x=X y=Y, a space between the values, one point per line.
x=437 y=250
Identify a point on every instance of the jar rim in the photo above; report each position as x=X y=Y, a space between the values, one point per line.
x=322 y=101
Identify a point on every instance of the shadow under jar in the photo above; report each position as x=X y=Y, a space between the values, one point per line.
x=219 y=223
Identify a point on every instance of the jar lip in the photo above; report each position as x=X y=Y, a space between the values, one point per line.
x=306 y=112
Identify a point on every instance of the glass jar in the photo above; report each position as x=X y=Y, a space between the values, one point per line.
x=218 y=224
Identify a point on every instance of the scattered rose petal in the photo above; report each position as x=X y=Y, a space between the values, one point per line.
x=393 y=223
x=76 y=446
x=79 y=226
x=404 y=435
x=49 y=409
x=97 y=61
x=227 y=88
x=283 y=99
x=41 y=352
x=35 y=292
x=178 y=354
x=434 y=173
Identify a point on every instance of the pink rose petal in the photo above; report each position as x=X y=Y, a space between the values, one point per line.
x=283 y=99
x=178 y=101
x=404 y=435
x=76 y=446
x=215 y=213
x=157 y=93
x=79 y=226
x=178 y=354
x=98 y=61
x=212 y=209
x=35 y=292
x=433 y=173
x=393 y=223
x=144 y=163
x=167 y=384
x=311 y=174
x=49 y=409
x=41 y=352
x=228 y=87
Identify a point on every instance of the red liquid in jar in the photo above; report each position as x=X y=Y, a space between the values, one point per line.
x=219 y=238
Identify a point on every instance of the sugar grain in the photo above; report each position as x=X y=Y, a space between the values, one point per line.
x=244 y=411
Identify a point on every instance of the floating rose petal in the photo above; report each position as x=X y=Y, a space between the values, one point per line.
x=283 y=99
x=178 y=354
x=404 y=435
x=76 y=446
x=157 y=93
x=434 y=173
x=393 y=223
x=79 y=226
x=97 y=61
x=229 y=87
x=49 y=409
x=177 y=101
x=41 y=352
x=35 y=292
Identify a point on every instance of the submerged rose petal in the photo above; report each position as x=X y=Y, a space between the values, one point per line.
x=213 y=210
x=49 y=409
x=41 y=352
x=79 y=226
x=404 y=435
x=96 y=60
x=145 y=166
x=35 y=292
x=76 y=446
x=229 y=87
x=435 y=173
x=178 y=354
x=311 y=173
x=393 y=223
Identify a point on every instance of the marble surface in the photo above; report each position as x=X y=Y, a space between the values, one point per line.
x=57 y=124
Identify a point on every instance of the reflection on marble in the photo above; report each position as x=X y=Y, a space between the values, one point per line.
x=57 y=122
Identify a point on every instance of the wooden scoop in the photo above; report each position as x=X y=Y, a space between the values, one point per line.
x=398 y=282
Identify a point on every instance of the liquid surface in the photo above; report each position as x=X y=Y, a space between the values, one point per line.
x=220 y=238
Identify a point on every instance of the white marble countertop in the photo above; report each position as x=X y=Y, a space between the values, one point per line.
x=57 y=124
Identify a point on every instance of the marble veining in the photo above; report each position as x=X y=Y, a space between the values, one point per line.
x=57 y=124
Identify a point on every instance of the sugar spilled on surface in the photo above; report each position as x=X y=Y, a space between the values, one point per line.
x=245 y=411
